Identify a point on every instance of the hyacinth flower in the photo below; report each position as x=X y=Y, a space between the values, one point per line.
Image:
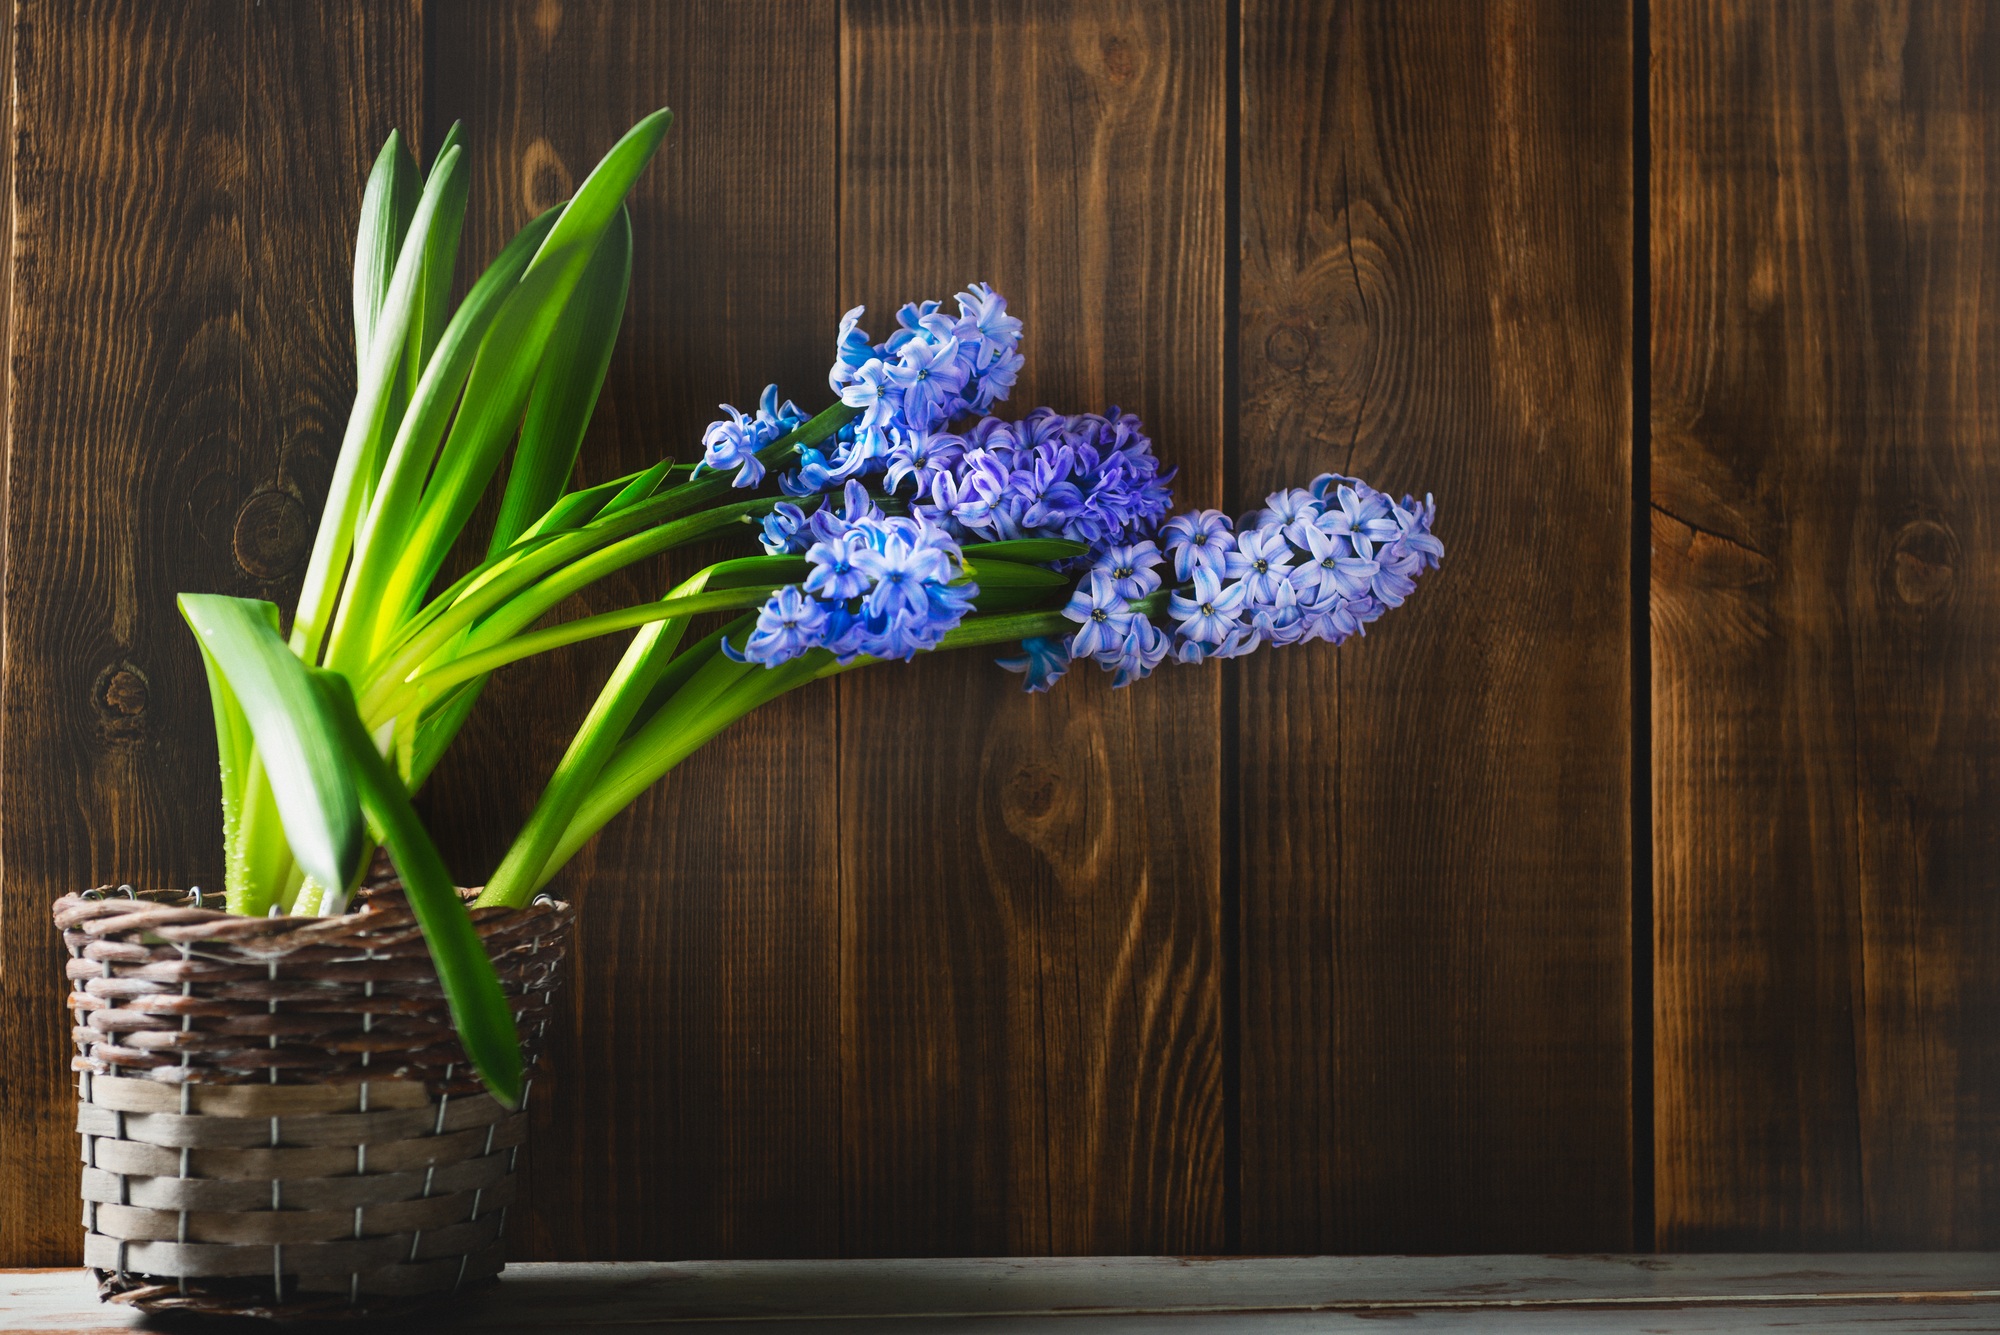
x=907 y=516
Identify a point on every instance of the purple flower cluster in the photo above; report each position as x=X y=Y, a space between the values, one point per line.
x=1084 y=477
x=880 y=585
x=734 y=441
x=1318 y=563
x=934 y=368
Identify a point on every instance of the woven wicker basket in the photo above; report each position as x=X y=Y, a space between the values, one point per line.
x=277 y=1118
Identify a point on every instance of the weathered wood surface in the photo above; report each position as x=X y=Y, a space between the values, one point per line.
x=1826 y=623
x=702 y=1050
x=1557 y=1293
x=1433 y=841
x=1031 y=958
x=186 y=180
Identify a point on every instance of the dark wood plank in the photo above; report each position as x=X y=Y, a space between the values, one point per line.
x=1825 y=528
x=1435 y=821
x=1031 y=1043
x=186 y=181
x=691 y=1107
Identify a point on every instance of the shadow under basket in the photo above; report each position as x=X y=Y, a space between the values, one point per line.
x=277 y=1118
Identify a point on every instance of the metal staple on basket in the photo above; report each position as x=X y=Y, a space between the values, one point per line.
x=276 y=1117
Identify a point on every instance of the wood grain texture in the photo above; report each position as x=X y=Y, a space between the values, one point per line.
x=1434 y=830
x=1296 y=1295
x=1030 y=1000
x=693 y=1107
x=185 y=183
x=1826 y=616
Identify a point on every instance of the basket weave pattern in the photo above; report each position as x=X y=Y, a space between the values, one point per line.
x=276 y=1115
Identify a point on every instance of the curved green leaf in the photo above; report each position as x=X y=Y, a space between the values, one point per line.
x=361 y=449
x=567 y=386
x=386 y=207
x=300 y=747
x=479 y=1007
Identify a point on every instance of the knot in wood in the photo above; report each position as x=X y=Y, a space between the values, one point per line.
x=1031 y=791
x=1290 y=345
x=120 y=695
x=545 y=181
x=270 y=537
x=1924 y=563
x=1121 y=62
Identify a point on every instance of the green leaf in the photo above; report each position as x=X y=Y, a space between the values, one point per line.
x=299 y=745
x=697 y=656
x=366 y=610
x=234 y=747
x=479 y=1007
x=567 y=386
x=440 y=260
x=515 y=591
x=361 y=449
x=643 y=487
x=386 y=208
x=989 y=573
x=577 y=508
x=503 y=373
x=686 y=601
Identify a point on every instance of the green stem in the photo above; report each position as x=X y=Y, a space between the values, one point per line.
x=551 y=574
x=457 y=670
x=547 y=569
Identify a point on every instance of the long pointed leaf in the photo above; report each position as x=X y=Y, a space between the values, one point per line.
x=366 y=608
x=479 y=1007
x=361 y=449
x=386 y=207
x=300 y=749
x=234 y=748
x=595 y=742
x=503 y=374
x=567 y=386
x=440 y=259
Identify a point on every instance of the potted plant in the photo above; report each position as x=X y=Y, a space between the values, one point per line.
x=306 y=1101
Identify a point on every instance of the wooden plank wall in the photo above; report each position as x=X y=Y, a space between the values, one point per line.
x=1433 y=845
x=1319 y=951
x=1826 y=609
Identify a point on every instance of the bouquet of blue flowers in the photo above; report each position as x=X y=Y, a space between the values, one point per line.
x=908 y=516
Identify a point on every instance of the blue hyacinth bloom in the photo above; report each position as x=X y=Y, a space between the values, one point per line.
x=986 y=309
x=1262 y=560
x=1103 y=614
x=1198 y=540
x=920 y=457
x=851 y=350
x=898 y=567
x=1131 y=568
x=885 y=587
x=1145 y=646
x=733 y=442
x=788 y=625
x=1044 y=659
x=929 y=373
x=1211 y=613
x=1332 y=568
x=784 y=530
x=834 y=576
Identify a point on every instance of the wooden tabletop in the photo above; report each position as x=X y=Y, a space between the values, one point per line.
x=1255 y=1296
